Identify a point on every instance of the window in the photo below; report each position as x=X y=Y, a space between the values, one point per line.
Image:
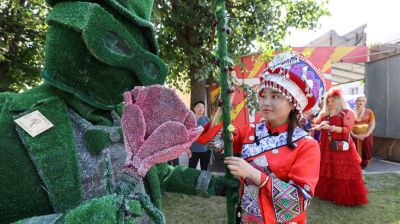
x=354 y=91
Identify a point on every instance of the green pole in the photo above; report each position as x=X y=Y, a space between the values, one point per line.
x=223 y=81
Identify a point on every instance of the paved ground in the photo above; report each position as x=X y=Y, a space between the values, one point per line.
x=376 y=165
x=382 y=166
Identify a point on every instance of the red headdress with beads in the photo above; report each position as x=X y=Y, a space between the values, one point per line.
x=295 y=77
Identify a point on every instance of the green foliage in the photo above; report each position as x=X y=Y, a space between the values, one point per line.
x=251 y=97
x=22 y=36
x=99 y=210
x=185 y=35
x=187 y=38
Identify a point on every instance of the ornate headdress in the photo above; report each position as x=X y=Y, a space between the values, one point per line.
x=296 y=78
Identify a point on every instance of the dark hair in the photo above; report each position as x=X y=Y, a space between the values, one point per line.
x=197 y=102
x=293 y=122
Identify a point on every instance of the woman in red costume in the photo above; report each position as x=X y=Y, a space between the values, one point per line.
x=340 y=178
x=279 y=163
x=362 y=130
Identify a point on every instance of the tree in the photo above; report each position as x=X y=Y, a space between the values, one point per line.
x=186 y=31
x=22 y=37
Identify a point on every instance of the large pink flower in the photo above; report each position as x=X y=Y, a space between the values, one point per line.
x=157 y=127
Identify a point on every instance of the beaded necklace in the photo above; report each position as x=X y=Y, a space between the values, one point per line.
x=358 y=115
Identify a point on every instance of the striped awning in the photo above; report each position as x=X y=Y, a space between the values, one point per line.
x=339 y=64
x=325 y=58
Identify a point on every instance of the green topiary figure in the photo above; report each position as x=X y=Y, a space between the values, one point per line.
x=70 y=170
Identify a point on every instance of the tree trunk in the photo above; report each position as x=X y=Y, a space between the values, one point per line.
x=198 y=88
x=3 y=90
x=4 y=78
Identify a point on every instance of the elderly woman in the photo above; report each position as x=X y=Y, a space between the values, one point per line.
x=362 y=130
x=340 y=178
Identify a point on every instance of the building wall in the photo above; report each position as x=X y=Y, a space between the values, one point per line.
x=387 y=148
x=353 y=88
x=382 y=84
x=382 y=87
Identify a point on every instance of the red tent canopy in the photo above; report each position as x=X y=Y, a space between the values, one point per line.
x=322 y=57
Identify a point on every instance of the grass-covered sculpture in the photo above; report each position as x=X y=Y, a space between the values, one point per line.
x=77 y=170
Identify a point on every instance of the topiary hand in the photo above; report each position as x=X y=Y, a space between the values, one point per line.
x=224 y=185
x=157 y=127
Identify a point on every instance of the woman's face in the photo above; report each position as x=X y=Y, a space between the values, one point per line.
x=274 y=107
x=331 y=103
x=361 y=102
x=199 y=109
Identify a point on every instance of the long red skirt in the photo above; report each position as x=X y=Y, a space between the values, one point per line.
x=340 y=178
x=366 y=151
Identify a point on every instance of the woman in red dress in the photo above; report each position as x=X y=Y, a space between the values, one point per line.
x=279 y=163
x=362 y=131
x=340 y=178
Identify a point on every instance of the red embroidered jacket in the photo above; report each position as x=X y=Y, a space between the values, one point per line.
x=293 y=172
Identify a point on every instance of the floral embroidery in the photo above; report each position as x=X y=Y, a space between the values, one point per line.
x=250 y=201
x=267 y=142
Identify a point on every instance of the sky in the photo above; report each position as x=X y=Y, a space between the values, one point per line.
x=381 y=16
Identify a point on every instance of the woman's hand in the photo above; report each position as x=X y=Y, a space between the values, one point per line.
x=359 y=137
x=323 y=123
x=240 y=167
x=362 y=137
x=188 y=153
x=326 y=126
x=319 y=126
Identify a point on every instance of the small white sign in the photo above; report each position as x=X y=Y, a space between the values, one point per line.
x=34 y=123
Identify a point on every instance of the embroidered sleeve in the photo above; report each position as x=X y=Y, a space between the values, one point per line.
x=286 y=199
x=348 y=122
x=238 y=135
x=291 y=198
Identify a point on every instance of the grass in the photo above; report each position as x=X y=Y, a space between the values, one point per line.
x=383 y=206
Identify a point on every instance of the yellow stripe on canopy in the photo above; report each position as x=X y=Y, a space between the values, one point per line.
x=235 y=111
x=337 y=54
x=257 y=65
x=307 y=51
x=214 y=94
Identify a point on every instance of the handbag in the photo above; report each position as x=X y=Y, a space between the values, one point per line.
x=339 y=145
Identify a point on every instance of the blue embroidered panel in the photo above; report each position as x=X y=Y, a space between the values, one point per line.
x=268 y=142
x=250 y=203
